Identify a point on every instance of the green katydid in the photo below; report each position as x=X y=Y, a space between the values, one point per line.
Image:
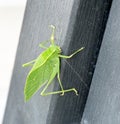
x=45 y=68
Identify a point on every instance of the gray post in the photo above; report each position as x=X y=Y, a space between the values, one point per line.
x=103 y=104
x=79 y=23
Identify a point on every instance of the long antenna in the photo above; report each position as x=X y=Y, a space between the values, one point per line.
x=52 y=38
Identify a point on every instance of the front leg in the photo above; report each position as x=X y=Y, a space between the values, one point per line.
x=70 y=56
x=42 y=45
x=29 y=63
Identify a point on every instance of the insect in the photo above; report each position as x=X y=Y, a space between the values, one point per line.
x=45 y=68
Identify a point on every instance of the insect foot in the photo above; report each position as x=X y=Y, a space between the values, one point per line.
x=62 y=94
x=52 y=26
x=76 y=92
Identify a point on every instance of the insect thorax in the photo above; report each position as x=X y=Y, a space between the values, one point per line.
x=56 y=48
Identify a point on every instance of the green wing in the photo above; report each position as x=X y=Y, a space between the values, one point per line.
x=43 y=57
x=40 y=74
x=36 y=79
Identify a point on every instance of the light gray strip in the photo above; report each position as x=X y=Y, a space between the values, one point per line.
x=103 y=104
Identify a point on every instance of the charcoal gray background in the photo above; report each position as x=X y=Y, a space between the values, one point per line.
x=103 y=103
x=79 y=23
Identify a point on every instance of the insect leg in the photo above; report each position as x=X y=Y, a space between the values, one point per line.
x=49 y=82
x=56 y=92
x=70 y=56
x=29 y=63
x=42 y=45
x=58 y=76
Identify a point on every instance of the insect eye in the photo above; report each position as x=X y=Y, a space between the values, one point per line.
x=59 y=50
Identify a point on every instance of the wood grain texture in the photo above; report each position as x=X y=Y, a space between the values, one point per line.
x=103 y=104
x=79 y=23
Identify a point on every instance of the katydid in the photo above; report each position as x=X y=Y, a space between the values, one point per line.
x=45 y=68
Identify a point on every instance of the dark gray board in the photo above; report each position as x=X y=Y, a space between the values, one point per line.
x=79 y=23
x=88 y=31
x=103 y=103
